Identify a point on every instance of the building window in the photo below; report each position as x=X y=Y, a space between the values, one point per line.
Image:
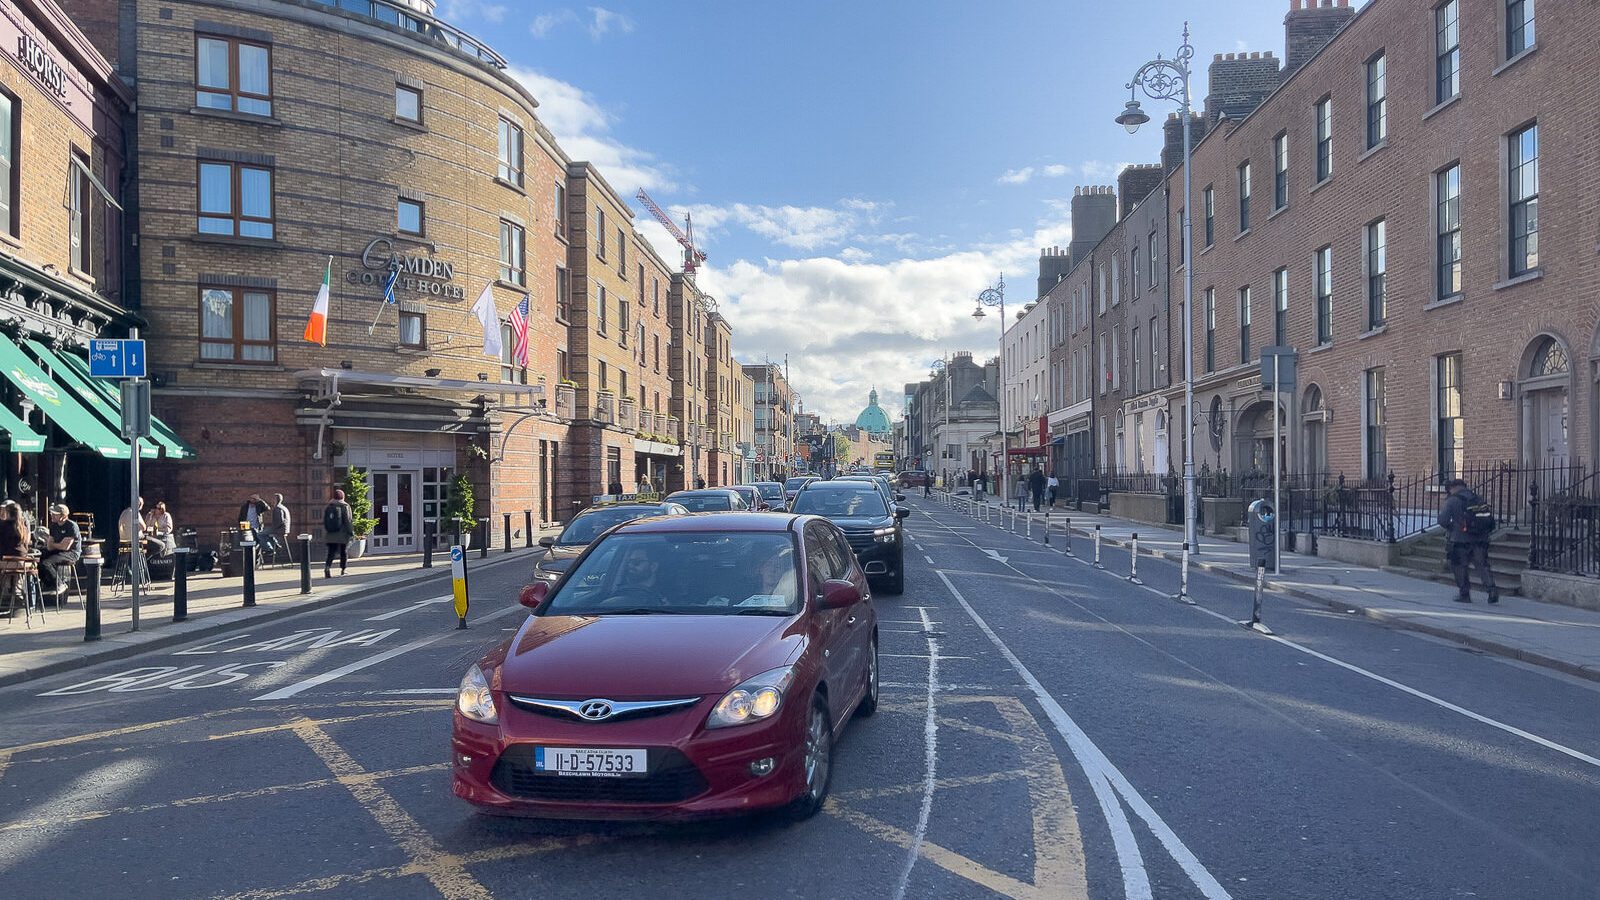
x=1133 y=270
x=1447 y=51
x=510 y=372
x=1377 y=101
x=512 y=256
x=235 y=200
x=622 y=322
x=1210 y=211
x=407 y=103
x=1377 y=451
x=655 y=297
x=1116 y=282
x=1325 y=139
x=1452 y=425
x=1519 y=26
x=1152 y=255
x=80 y=230
x=1155 y=352
x=1324 y=286
x=1280 y=171
x=510 y=152
x=600 y=233
x=237 y=326
x=1138 y=359
x=410 y=216
x=232 y=74
x=10 y=183
x=1447 y=187
x=1244 y=325
x=1280 y=307
x=1104 y=289
x=600 y=318
x=561 y=210
x=622 y=254
x=1244 y=198
x=1105 y=361
x=1211 y=329
x=1377 y=274
x=414 y=330
x=1524 y=198
x=563 y=295
x=655 y=340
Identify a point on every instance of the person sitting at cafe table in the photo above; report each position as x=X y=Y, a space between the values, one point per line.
x=132 y=526
x=15 y=546
x=158 y=529
x=63 y=548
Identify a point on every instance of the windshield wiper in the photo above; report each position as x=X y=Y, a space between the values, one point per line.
x=758 y=611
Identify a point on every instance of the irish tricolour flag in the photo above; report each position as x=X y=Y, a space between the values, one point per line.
x=317 y=328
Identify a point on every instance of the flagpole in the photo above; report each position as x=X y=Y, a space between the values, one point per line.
x=388 y=292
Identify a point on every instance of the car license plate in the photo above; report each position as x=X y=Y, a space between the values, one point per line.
x=595 y=763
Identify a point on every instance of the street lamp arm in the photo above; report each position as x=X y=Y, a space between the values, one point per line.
x=1166 y=79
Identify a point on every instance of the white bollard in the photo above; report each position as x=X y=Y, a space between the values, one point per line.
x=1183 y=578
x=1068 y=540
x=1133 y=560
x=1097 y=564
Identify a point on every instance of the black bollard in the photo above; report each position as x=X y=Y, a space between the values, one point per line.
x=305 y=563
x=249 y=552
x=428 y=529
x=91 y=599
x=506 y=548
x=527 y=528
x=180 y=585
x=483 y=532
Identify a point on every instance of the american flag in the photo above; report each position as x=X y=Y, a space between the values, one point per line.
x=519 y=333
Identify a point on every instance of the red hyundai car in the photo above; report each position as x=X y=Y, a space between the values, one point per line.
x=683 y=666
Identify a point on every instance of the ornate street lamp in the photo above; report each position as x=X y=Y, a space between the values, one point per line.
x=1168 y=79
x=996 y=297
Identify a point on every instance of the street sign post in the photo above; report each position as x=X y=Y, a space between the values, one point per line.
x=1278 y=375
x=111 y=358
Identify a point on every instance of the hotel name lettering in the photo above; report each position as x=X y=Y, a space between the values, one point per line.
x=37 y=60
x=417 y=274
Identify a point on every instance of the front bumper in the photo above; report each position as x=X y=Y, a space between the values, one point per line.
x=876 y=557
x=694 y=772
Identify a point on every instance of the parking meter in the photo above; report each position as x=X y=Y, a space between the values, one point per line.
x=1262 y=521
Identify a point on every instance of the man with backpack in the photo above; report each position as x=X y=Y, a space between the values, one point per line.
x=1468 y=522
x=338 y=523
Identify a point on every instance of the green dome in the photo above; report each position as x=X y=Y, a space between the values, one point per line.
x=873 y=420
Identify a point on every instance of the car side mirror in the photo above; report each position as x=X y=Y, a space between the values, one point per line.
x=533 y=595
x=547 y=541
x=899 y=498
x=839 y=594
x=900 y=512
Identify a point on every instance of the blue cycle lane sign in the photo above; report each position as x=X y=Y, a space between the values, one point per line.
x=116 y=358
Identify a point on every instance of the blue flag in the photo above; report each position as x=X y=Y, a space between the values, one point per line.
x=388 y=285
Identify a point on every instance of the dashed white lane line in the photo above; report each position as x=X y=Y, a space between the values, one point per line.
x=927 y=557
x=930 y=730
x=1103 y=777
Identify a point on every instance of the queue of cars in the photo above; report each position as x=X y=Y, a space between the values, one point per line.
x=683 y=658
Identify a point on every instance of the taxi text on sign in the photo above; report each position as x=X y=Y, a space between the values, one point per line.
x=458 y=579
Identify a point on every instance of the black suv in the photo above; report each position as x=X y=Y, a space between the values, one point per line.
x=563 y=549
x=868 y=520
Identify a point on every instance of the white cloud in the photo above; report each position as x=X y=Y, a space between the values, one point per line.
x=455 y=10
x=583 y=128
x=603 y=20
x=1092 y=170
x=849 y=324
x=544 y=23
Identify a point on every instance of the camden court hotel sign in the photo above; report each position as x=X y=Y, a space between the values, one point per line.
x=415 y=273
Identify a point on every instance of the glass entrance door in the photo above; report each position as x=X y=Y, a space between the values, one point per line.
x=397 y=512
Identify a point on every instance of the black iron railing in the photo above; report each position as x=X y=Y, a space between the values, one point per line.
x=1565 y=526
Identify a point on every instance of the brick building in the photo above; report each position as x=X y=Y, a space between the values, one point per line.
x=689 y=312
x=1379 y=212
x=774 y=419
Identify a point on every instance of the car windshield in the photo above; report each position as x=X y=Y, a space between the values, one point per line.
x=704 y=502
x=849 y=502
x=683 y=573
x=795 y=484
x=588 y=526
x=771 y=490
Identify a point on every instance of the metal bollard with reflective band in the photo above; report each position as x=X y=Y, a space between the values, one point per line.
x=1183 y=578
x=91 y=598
x=1047 y=528
x=527 y=529
x=180 y=585
x=249 y=554
x=506 y=547
x=483 y=534
x=305 y=562
x=429 y=531
x=1133 y=560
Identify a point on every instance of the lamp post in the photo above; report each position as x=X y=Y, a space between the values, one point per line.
x=992 y=297
x=941 y=369
x=1168 y=79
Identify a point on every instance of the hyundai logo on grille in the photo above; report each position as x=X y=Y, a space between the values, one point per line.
x=595 y=710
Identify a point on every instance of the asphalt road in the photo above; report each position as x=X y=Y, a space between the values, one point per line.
x=1048 y=730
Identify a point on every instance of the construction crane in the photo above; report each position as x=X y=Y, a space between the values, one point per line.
x=692 y=255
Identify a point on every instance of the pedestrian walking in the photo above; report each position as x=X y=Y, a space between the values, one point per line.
x=1036 y=487
x=338 y=532
x=927 y=484
x=1022 y=493
x=699 y=483
x=1468 y=522
x=979 y=482
x=276 y=524
x=1051 y=487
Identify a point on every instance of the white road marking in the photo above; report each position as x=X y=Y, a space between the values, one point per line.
x=1102 y=774
x=919 y=656
x=993 y=555
x=416 y=692
x=285 y=693
x=927 y=557
x=381 y=617
x=930 y=731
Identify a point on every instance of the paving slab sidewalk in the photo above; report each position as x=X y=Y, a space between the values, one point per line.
x=54 y=642
x=1558 y=637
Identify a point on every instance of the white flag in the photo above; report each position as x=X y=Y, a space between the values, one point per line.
x=483 y=310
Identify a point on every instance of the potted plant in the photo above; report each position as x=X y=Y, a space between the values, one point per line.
x=358 y=493
x=459 y=509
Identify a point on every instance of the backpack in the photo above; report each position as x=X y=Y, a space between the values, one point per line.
x=1477 y=519
x=332 y=521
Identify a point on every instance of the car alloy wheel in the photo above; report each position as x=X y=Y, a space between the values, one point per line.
x=869 y=700
x=818 y=761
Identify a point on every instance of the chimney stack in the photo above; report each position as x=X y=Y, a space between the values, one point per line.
x=1172 y=149
x=1134 y=183
x=1309 y=26
x=1238 y=84
x=1094 y=212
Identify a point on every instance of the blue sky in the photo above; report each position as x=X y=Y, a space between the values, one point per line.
x=857 y=171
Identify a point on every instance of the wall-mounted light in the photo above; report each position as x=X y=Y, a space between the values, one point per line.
x=346 y=364
x=483 y=376
x=1507 y=389
x=431 y=373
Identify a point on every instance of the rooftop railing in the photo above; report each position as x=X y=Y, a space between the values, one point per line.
x=405 y=16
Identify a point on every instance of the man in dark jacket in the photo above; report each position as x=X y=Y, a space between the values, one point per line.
x=1036 y=486
x=1467 y=542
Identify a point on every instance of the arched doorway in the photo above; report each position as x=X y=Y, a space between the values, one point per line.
x=1546 y=404
x=1252 y=441
x=1314 y=428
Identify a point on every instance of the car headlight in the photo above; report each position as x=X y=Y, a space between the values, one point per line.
x=757 y=699
x=885 y=535
x=473 y=699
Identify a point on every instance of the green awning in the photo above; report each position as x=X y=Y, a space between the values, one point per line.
x=161 y=432
x=108 y=411
x=58 y=404
x=23 y=438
